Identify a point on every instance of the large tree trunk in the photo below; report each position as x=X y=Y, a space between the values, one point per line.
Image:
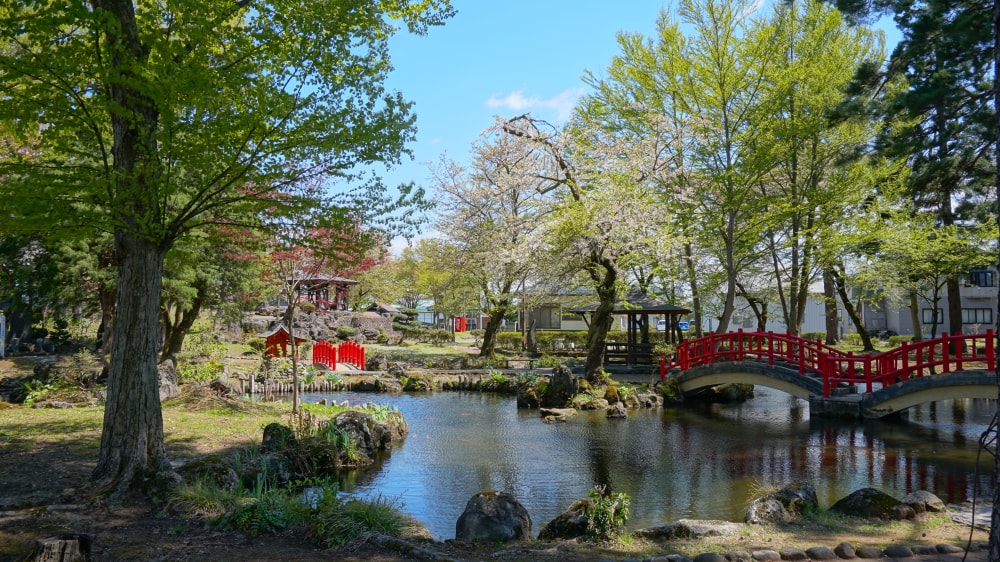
x=600 y=324
x=692 y=275
x=918 y=333
x=493 y=323
x=852 y=312
x=132 y=459
x=830 y=307
x=132 y=452
x=729 y=304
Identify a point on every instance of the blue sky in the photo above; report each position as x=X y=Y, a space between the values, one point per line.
x=504 y=58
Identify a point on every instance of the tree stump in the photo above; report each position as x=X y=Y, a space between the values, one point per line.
x=64 y=548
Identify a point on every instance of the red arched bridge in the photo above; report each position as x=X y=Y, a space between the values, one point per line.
x=937 y=369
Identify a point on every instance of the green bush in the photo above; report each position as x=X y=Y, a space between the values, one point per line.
x=813 y=336
x=307 y=306
x=896 y=341
x=852 y=338
x=200 y=371
x=382 y=338
x=611 y=513
x=510 y=341
x=346 y=332
x=477 y=335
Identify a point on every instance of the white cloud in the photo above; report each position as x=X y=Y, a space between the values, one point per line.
x=562 y=103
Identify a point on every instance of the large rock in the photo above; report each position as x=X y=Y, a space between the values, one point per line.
x=376 y=362
x=922 y=501
x=869 y=502
x=493 y=517
x=616 y=411
x=569 y=524
x=210 y=469
x=689 y=529
x=276 y=438
x=563 y=386
x=369 y=435
x=764 y=510
x=527 y=397
x=167 y=374
x=798 y=498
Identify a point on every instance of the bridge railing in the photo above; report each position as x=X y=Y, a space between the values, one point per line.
x=911 y=360
x=812 y=357
x=765 y=346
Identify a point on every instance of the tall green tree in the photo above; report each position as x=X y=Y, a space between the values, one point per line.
x=942 y=121
x=152 y=119
x=804 y=189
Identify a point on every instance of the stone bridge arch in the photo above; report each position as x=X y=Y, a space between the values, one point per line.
x=778 y=377
x=930 y=388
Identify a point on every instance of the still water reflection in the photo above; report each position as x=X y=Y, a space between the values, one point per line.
x=693 y=462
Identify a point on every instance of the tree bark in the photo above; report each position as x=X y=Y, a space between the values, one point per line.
x=132 y=450
x=597 y=333
x=852 y=313
x=918 y=334
x=692 y=275
x=132 y=460
x=493 y=323
x=830 y=307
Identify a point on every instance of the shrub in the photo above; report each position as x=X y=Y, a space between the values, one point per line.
x=477 y=335
x=611 y=513
x=509 y=340
x=821 y=336
x=853 y=338
x=346 y=332
x=382 y=338
x=200 y=371
x=896 y=341
x=307 y=306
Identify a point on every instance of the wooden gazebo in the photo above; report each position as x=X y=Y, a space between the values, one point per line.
x=327 y=292
x=638 y=308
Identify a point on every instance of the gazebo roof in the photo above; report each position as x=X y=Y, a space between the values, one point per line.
x=321 y=279
x=637 y=303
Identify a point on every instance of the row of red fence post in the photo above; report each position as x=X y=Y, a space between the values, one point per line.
x=348 y=352
x=351 y=352
x=833 y=365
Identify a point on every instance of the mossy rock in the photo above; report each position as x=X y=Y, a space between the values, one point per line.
x=868 y=502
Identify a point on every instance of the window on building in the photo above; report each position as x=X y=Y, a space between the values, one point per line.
x=980 y=278
x=931 y=316
x=977 y=316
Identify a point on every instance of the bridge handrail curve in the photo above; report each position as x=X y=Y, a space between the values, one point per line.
x=736 y=346
x=836 y=366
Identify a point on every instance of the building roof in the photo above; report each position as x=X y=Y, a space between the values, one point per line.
x=386 y=307
x=275 y=329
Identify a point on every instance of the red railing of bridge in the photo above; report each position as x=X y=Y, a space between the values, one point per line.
x=326 y=353
x=351 y=352
x=812 y=357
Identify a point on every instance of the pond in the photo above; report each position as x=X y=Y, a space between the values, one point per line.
x=699 y=461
